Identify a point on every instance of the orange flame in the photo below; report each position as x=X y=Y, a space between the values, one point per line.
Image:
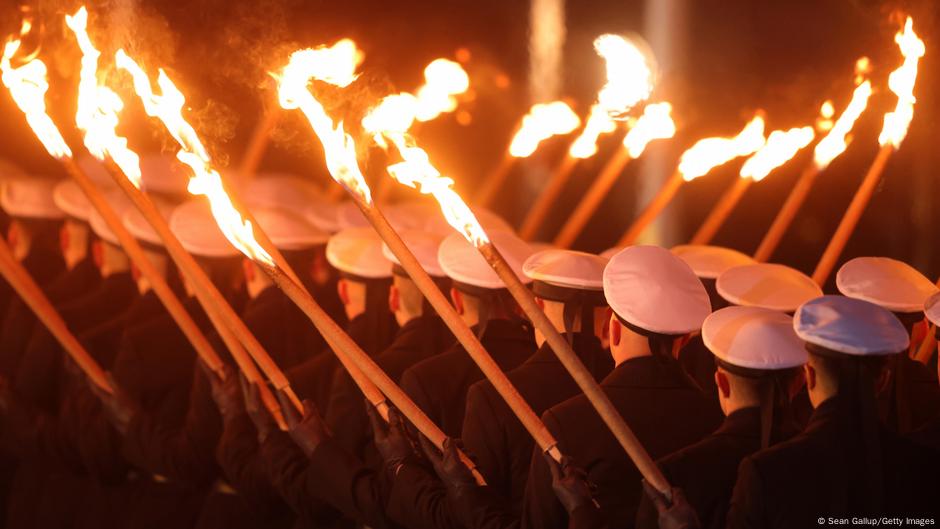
x=835 y=143
x=709 y=153
x=629 y=82
x=416 y=170
x=824 y=122
x=901 y=82
x=781 y=146
x=444 y=79
x=168 y=107
x=335 y=65
x=542 y=122
x=28 y=86
x=655 y=124
x=98 y=106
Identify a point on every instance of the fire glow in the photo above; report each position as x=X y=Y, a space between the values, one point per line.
x=443 y=81
x=542 y=122
x=655 y=124
x=781 y=146
x=901 y=82
x=838 y=138
x=709 y=153
x=168 y=107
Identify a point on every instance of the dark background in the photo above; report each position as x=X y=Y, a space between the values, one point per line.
x=736 y=56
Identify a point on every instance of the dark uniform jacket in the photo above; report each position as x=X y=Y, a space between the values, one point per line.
x=42 y=264
x=439 y=385
x=661 y=405
x=501 y=446
x=418 y=339
x=914 y=397
x=706 y=471
x=813 y=476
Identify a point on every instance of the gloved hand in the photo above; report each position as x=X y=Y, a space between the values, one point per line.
x=307 y=431
x=570 y=483
x=391 y=439
x=259 y=415
x=448 y=466
x=118 y=405
x=226 y=391
x=678 y=514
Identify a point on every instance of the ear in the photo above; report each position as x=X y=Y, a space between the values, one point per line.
x=457 y=298
x=249 y=268
x=97 y=253
x=319 y=270
x=342 y=288
x=810 y=373
x=724 y=386
x=616 y=331
x=394 y=299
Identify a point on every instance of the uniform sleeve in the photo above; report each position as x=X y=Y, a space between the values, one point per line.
x=418 y=499
x=746 y=510
x=181 y=453
x=239 y=457
x=588 y=517
x=482 y=508
x=413 y=387
x=483 y=439
x=341 y=479
x=346 y=415
x=541 y=508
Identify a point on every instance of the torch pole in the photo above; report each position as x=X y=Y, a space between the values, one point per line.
x=461 y=331
x=15 y=274
x=491 y=185
x=786 y=214
x=334 y=335
x=592 y=390
x=592 y=199
x=258 y=142
x=927 y=347
x=722 y=211
x=230 y=327
x=653 y=209
x=852 y=215
x=547 y=198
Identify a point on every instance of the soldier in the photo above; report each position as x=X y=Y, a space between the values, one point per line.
x=845 y=463
x=657 y=302
x=758 y=356
x=929 y=433
x=569 y=287
x=913 y=396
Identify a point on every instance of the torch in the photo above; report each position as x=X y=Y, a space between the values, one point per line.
x=629 y=82
x=417 y=172
x=655 y=123
x=206 y=181
x=893 y=132
x=828 y=148
x=15 y=274
x=696 y=162
x=781 y=146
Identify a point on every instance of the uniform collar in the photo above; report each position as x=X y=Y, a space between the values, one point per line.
x=647 y=372
x=744 y=422
x=584 y=345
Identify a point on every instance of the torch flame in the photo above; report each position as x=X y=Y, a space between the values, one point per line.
x=542 y=122
x=28 y=87
x=444 y=79
x=709 y=153
x=335 y=65
x=98 y=106
x=780 y=147
x=655 y=124
x=629 y=82
x=901 y=82
x=838 y=138
x=416 y=171
x=168 y=107
x=824 y=122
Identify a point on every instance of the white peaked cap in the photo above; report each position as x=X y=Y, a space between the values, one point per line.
x=709 y=262
x=767 y=285
x=753 y=338
x=610 y=252
x=163 y=173
x=850 y=326
x=120 y=204
x=566 y=268
x=650 y=287
x=488 y=220
x=72 y=200
x=424 y=246
x=358 y=251
x=463 y=263
x=932 y=309
x=890 y=283
x=413 y=215
x=324 y=215
x=348 y=215
x=140 y=227
x=193 y=224
x=9 y=170
x=540 y=246
x=289 y=231
x=282 y=191
x=30 y=197
x=95 y=170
